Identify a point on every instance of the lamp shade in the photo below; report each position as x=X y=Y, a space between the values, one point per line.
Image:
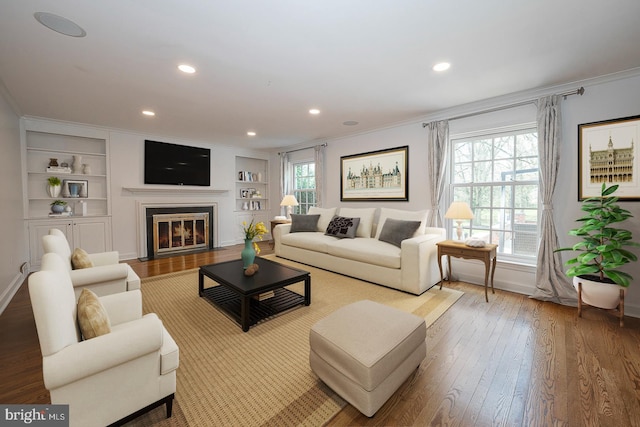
x=289 y=200
x=459 y=210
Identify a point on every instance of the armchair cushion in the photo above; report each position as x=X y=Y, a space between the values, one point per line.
x=80 y=259
x=92 y=317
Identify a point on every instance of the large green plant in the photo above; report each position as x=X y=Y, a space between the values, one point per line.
x=602 y=250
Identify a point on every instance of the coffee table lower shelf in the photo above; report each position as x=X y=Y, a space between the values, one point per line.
x=231 y=303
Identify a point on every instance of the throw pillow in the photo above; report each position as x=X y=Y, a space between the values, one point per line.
x=92 y=317
x=366 y=219
x=80 y=259
x=343 y=227
x=325 y=216
x=403 y=215
x=303 y=223
x=394 y=231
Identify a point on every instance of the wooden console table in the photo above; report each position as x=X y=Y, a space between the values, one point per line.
x=486 y=254
x=275 y=222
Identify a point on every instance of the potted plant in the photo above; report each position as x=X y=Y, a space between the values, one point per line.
x=57 y=206
x=54 y=186
x=601 y=252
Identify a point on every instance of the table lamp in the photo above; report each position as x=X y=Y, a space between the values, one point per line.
x=289 y=201
x=459 y=211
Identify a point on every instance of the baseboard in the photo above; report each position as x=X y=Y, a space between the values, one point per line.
x=11 y=290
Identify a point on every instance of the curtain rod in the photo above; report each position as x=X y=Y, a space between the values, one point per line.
x=578 y=91
x=300 y=149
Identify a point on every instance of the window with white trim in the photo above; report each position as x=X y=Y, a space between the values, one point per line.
x=304 y=186
x=497 y=175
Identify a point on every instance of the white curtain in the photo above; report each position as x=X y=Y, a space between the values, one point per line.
x=437 y=152
x=551 y=282
x=285 y=176
x=319 y=164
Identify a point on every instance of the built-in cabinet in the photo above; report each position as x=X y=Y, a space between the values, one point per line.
x=251 y=193
x=79 y=158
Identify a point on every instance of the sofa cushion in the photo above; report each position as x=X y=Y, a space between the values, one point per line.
x=80 y=259
x=402 y=215
x=370 y=251
x=394 y=231
x=92 y=316
x=301 y=223
x=312 y=241
x=343 y=227
x=366 y=219
x=326 y=214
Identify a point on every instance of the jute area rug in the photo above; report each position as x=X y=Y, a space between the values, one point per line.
x=262 y=377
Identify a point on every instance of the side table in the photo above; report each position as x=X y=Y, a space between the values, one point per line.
x=486 y=254
x=275 y=222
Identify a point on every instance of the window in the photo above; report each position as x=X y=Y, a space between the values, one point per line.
x=304 y=186
x=497 y=174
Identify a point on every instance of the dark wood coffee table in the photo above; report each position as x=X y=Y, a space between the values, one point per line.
x=235 y=293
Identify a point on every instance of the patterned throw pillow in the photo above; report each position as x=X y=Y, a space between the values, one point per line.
x=80 y=259
x=343 y=227
x=92 y=317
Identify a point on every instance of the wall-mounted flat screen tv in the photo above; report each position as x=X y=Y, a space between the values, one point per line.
x=174 y=164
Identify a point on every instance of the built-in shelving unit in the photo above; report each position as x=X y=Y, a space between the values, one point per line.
x=252 y=192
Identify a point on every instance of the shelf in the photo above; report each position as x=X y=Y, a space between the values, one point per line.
x=64 y=175
x=172 y=190
x=73 y=153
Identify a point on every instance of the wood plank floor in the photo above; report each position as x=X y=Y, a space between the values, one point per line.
x=511 y=362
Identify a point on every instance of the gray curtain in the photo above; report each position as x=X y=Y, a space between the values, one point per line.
x=285 y=177
x=437 y=153
x=319 y=163
x=551 y=282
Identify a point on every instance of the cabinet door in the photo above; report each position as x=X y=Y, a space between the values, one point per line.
x=93 y=235
x=37 y=229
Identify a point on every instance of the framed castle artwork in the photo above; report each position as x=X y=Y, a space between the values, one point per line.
x=608 y=153
x=375 y=176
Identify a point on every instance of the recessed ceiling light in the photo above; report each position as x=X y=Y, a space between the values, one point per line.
x=350 y=123
x=148 y=113
x=186 y=68
x=314 y=111
x=441 y=66
x=251 y=133
x=59 y=24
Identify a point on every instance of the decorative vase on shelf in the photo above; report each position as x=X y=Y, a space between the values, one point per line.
x=86 y=169
x=74 y=189
x=53 y=162
x=77 y=164
x=248 y=254
x=54 y=190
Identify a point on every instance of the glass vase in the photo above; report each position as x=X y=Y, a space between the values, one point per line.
x=248 y=254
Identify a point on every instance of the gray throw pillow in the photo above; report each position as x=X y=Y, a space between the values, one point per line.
x=394 y=231
x=343 y=227
x=303 y=223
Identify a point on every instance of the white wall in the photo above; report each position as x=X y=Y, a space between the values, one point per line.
x=13 y=249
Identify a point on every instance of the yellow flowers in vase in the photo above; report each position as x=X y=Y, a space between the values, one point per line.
x=252 y=231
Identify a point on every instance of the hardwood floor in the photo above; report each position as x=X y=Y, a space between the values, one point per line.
x=511 y=362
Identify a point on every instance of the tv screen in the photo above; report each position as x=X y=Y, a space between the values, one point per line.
x=174 y=164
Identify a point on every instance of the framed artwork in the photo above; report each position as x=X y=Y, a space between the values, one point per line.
x=75 y=188
x=608 y=153
x=375 y=176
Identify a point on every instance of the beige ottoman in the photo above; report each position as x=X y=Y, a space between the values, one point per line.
x=364 y=351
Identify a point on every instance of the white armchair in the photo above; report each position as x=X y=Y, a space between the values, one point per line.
x=110 y=378
x=107 y=276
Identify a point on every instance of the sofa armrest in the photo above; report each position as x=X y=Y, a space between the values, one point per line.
x=279 y=231
x=419 y=262
x=123 y=307
x=78 y=361
x=103 y=273
x=105 y=258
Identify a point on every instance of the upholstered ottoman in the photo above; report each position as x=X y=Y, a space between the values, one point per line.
x=364 y=351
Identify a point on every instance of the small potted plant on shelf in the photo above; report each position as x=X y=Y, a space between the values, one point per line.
x=601 y=252
x=57 y=206
x=54 y=186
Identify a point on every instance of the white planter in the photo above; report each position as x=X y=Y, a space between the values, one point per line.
x=54 y=190
x=598 y=294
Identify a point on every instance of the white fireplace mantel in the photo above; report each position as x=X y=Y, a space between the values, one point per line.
x=172 y=190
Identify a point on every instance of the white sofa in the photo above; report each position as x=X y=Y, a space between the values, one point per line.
x=412 y=267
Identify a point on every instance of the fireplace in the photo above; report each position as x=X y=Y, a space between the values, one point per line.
x=178 y=229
